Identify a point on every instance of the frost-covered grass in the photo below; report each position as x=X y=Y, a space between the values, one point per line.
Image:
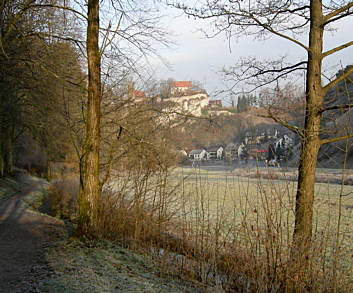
x=9 y=187
x=257 y=215
x=233 y=224
x=35 y=199
x=237 y=194
x=101 y=266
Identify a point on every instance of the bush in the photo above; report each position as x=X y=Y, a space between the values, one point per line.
x=63 y=198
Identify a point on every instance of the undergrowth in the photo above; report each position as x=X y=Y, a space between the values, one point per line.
x=101 y=266
x=233 y=234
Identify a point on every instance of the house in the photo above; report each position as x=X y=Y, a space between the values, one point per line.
x=138 y=95
x=258 y=151
x=230 y=152
x=183 y=153
x=197 y=155
x=283 y=147
x=215 y=152
x=215 y=103
x=219 y=112
x=242 y=151
x=180 y=87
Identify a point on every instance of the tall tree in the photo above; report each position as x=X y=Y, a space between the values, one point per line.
x=287 y=20
x=90 y=195
x=131 y=37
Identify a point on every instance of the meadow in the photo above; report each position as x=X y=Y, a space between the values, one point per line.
x=229 y=229
x=222 y=210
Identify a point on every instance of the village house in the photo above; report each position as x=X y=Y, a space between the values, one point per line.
x=231 y=152
x=138 y=96
x=282 y=147
x=198 y=155
x=258 y=151
x=183 y=153
x=242 y=151
x=215 y=152
x=219 y=112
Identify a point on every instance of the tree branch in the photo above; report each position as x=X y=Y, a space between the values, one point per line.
x=334 y=50
x=251 y=16
x=18 y=15
x=111 y=156
x=107 y=41
x=61 y=7
x=271 y=30
x=337 y=12
x=338 y=79
x=290 y=69
x=336 y=107
x=334 y=139
x=294 y=129
x=251 y=70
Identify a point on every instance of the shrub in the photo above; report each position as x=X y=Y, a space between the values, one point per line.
x=63 y=198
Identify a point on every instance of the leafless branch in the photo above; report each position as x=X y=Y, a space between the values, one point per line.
x=294 y=129
x=331 y=15
x=334 y=139
x=334 y=50
x=337 y=107
x=62 y=8
x=343 y=76
x=111 y=156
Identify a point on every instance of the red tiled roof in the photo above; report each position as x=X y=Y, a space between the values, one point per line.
x=139 y=94
x=181 y=84
x=259 y=151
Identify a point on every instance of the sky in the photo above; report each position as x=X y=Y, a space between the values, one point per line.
x=194 y=57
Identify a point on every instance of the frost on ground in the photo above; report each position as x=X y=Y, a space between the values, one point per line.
x=35 y=255
x=104 y=267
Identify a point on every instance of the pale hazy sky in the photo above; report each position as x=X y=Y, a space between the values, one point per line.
x=195 y=57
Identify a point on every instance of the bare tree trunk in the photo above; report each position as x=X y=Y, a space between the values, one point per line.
x=310 y=145
x=8 y=151
x=1 y=158
x=48 y=168
x=90 y=194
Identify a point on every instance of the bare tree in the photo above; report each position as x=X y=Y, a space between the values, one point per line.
x=121 y=36
x=288 y=20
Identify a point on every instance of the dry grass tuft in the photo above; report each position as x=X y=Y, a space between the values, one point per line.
x=63 y=198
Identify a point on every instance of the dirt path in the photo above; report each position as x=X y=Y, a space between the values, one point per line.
x=23 y=238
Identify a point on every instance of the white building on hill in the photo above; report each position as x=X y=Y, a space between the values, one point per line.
x=180 y=87
x=192 y=104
